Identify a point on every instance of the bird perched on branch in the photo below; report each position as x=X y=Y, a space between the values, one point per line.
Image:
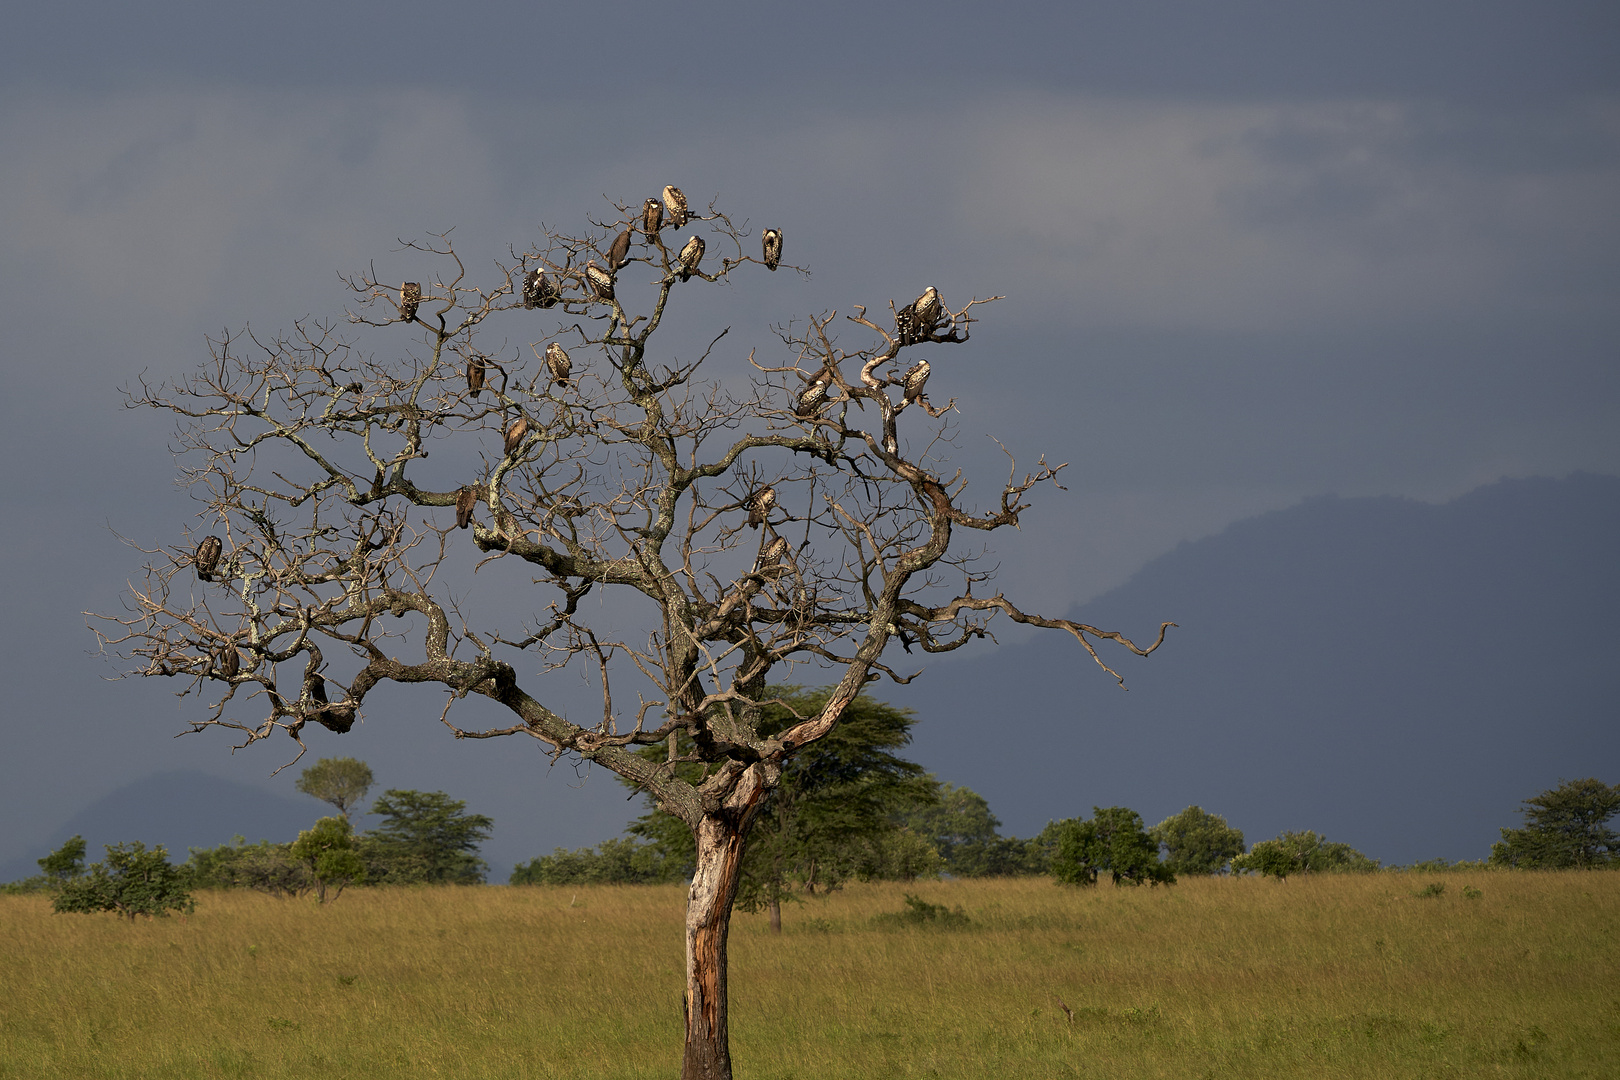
x=652 y=219
x=515 y=433
x=915 y=380
x=675 y=202
x=690 y=256
x=229 y=662
x=466 y=501
x=558 y=364
x=759 y=506
x=207 y=557
x=811 y=398
x=410 y=295
x=771 y=241
x=774 y=552
x=619 y=253
x=916 y=321
x=539 y=291
x=600 y=281
x=475 y=375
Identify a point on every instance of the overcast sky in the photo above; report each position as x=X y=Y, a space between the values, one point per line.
x=1252 y=252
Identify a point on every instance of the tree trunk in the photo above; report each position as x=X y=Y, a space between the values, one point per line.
x=776 y=915
x=708 y=919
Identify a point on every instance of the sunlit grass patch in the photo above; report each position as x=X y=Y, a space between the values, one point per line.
x=1342 y=976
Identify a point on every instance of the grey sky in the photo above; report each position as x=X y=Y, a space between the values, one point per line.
x=1251 y=253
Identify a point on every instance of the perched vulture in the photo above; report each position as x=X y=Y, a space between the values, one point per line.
x=410 y=295
x=600 y=281
x=339 y=717
x=539 y=291
x=676 y=203
x=760 y=505
x=690 y=256
x=475 y=375
x=558 y=364
x=772 y=242
x=804 y=604
x=811 y=398
x=207 y=557
x=229 y=662
x=515 y=433
x=915 y=379
x=652 y=219
x=466 y=501
x=774 y=552
x=619 y=253
x=916 y=321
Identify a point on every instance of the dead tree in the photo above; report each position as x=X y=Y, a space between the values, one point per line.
x=631 y=474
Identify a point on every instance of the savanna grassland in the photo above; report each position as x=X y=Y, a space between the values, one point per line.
x=1331 y=976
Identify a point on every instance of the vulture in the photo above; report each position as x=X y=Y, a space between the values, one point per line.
x=759 y=506
x=410 y=295
x=676 y=202
x=466 y=500
x=619 y=253
x=558 y=364
x=538 y=290
x=774 y=552
x=652 y=219
x=515 y=433
x=915 y=380
x=916 y=321
x=690 y=256
x=207 y=557
x=804 y=605
x=600 y=281
x=475 y=375
x=811 y=398
x=772 y=241
x=229 y=662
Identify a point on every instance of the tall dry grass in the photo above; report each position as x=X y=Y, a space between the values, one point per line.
x=1353 y=976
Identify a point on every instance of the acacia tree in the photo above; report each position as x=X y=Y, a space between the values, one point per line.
x=621 y=471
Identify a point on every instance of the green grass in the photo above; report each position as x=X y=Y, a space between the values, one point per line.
x=1344 y=976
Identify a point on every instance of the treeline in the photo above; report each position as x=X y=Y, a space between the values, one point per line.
x=425 y=837
x=849 y=808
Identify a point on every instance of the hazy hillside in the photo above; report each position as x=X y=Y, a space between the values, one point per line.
x=1394 y=674
x=180 y=810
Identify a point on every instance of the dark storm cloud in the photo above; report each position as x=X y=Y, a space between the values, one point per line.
x=1251 y=253
x=538 y=53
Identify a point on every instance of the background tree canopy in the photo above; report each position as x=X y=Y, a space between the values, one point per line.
x=1114 y=841
x=833 y=816
x=1564 y=827
x=1197 y=842
x=343 y=782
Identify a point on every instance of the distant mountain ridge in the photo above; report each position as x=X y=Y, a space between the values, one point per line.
x=1394 y=674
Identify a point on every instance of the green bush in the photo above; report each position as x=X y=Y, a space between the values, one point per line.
x=613 y=862
x=328 y=851
x=132 y=881
x=1302 y=853
x=920 y=912
x=263 y=867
